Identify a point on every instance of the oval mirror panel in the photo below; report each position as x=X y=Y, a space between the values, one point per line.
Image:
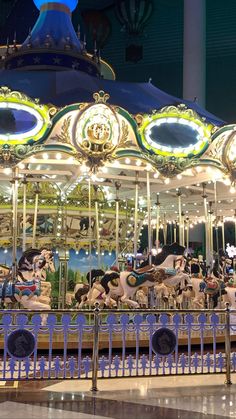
x=16 y=121
x=174 y=135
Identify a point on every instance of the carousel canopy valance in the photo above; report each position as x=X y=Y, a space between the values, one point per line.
x=66 y=87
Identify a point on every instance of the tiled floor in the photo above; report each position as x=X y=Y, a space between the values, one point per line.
x=194 y=397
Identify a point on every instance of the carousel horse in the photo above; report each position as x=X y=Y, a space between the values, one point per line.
x=26 y=288
x=27 y=263
x=81 y=290
x=170 y=271
x=207 y=290
x=23 y=291
x=142 y=297
x=89 y=296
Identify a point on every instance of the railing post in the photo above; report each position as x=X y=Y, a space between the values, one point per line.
x=227 y=346
x=95 y=348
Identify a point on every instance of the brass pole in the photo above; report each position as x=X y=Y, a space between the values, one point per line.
x=181 y=238
x=149 y=219
x=15 y=185
x=157 y=223
x=98 y=233
x=136 y=221
x=216 y=225
x=35 y=216
x=24 y=216
x=117 y=185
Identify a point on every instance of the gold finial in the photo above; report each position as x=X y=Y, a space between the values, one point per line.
x=101 y=97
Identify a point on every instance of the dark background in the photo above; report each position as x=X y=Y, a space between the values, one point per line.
x=162 y=43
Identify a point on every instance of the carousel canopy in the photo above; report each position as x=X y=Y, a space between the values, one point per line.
x=63 y=88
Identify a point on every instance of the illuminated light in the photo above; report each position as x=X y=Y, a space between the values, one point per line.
x=202 y=134
x=45 y=156
x=71 y=4
x=76 y=252
x=21 y=166
x=58 y=234
x=127 y=161
x=148 y=167
x=7 y=171
x=195 y=203
x=156 y=175
x=5 y=250
x=167 y=181
x=232 y=189
x=58 y=156
x=32 y=132
x=94 y=178
x=179 y=176
x=209 y=169
x=138 y=162
x=84 y=168
x=227 y=181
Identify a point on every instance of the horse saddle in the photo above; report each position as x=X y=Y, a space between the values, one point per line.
x=145 y=269
x=212 y=287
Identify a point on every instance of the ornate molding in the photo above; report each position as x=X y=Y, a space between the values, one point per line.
x=11 y=154
x=170 y=166
x=7 y=93
x=101 y=97
x=64 y=136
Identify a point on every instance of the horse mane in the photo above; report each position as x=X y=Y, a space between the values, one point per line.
x=109 y=276
x=172 y=249
x=95 y=273
x=168 y=249
x=29 y=254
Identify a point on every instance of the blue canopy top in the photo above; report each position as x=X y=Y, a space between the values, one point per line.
x=63 y=88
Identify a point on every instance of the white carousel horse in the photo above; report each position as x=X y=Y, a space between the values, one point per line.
x=95 y=295
x=169 y=271
x=142 y=297
x=86 y=295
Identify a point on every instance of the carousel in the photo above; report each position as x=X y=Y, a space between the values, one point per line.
x=110 y=192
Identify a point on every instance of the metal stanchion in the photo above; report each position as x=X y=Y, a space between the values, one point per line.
x=227 y=346
x=95 y=348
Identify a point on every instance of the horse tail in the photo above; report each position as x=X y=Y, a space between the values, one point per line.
x=109 y=276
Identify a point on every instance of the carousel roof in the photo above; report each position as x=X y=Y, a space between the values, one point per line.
x=63 y=88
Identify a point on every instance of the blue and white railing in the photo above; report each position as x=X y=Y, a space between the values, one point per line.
x=92 y=344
